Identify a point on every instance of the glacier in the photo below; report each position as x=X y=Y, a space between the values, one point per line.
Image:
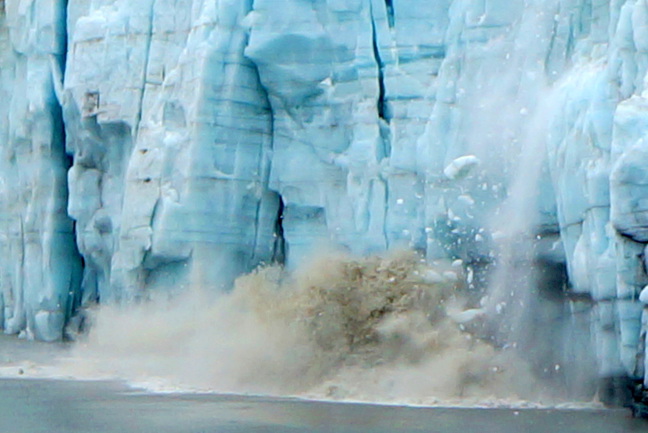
x=157 y=145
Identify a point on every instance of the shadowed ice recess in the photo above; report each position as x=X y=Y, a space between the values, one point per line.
x=176 y=173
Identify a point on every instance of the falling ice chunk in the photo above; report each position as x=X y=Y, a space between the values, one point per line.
x=466 y=199
x=466 y=315
x=643 y=296
x=460 y=167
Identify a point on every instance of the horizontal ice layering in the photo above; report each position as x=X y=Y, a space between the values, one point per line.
x=153 y=145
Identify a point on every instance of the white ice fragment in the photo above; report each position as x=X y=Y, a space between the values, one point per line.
x=340 y=160
x=643 y=296
x=400 y=201
x=222 y=175
x=461 y=166
x=457 y=263
x=466 y=315
x=452 y=216
x=326 y=83
x=470 y=276
x=466 y=199
x=479 y=238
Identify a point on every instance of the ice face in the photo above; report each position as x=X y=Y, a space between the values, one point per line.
x=156 y=145
x=181 y=170
x=41 y=267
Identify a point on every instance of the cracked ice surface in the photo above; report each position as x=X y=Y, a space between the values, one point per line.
x=179 y=172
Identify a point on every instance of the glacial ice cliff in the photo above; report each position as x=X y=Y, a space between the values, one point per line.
x=154 y=145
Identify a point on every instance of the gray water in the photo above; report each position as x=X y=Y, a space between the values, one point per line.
x=56 y=406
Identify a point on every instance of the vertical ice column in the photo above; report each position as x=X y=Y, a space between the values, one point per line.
x=171 y=134
x=629 y=216
x=41 y=270
x=119 y=52
x=409 y=48
x=197 y=211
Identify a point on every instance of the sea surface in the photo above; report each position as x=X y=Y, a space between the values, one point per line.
x=32 y=403
x=59 y=406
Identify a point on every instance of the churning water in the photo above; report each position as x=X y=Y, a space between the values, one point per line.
x=381 y=329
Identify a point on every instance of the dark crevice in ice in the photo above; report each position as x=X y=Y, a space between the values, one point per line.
x=59 y=150
x=381 y=83
x=269 y=198
x=147 y=59
x=381 y=104
x=74 y=294
x=279 y=250
x=64 y=37
x=389 y=6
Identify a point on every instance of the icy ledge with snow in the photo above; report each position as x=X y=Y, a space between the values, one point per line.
x=155 y=145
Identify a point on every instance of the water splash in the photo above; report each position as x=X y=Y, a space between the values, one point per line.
x=382 y=329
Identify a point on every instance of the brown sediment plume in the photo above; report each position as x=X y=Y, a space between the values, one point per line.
x=373 y=329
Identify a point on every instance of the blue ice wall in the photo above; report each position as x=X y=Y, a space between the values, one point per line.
x=41 y=268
